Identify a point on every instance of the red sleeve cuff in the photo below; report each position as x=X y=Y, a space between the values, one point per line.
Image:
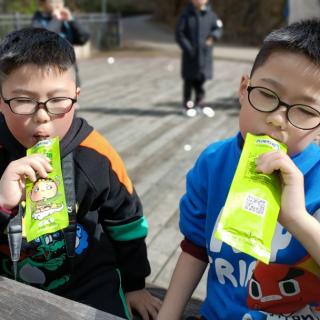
x=9 y=211
x=194 y=250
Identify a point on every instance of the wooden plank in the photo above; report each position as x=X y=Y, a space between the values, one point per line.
x=22 y=302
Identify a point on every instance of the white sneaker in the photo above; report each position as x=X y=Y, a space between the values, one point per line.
x=192 y=112
x=208 y=111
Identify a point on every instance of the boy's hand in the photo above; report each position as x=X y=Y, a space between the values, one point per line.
x=292 y=198
x=144 y=303
x=62 y=14
x=12 y=182
x=210 y=41
x=65 y=14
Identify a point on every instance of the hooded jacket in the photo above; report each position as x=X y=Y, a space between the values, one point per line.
x=110 y=235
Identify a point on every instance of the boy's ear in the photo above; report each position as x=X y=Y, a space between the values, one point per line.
x=243 y=87
x=1 y=104
x=78 y=91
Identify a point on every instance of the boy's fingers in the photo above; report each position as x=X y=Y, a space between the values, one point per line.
x=41 y=165
x=155 y=302
x=28 y=172
x=40 y=157
x=144 y=313
x=153 y=311
x=40 y=169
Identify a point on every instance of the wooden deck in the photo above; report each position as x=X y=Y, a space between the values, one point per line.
x=19 y=301
x=135 y=103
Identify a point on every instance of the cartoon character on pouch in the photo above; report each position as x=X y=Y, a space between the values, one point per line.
x=41 y=195
x=284 y=289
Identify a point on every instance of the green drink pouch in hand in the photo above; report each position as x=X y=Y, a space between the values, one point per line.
x=46 y=209
x=251 y=210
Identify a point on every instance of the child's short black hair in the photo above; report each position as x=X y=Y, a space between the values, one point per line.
x=299 y=37
x=35 y=46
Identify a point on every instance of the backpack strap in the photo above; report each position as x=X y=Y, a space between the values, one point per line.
x=69 y=232
x=14 y=230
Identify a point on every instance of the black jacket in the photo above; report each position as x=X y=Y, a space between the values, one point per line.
x=70 y=30
x=110 y=248
x=192 y=30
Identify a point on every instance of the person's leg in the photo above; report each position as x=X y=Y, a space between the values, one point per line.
x=103 y=294
x=188 y=105
x=200 y=95
x=200 y=92
x=187 y=92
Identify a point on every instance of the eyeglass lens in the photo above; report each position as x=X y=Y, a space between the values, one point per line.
x=301 y=116
x=28 y=106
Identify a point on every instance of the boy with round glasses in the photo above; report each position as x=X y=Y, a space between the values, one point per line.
x=109 y=263
x=281 y=98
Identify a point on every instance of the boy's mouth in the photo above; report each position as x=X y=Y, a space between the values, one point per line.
x=274 y=135
x=39 y=137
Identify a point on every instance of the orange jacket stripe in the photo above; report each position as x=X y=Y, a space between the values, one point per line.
x=98 y=143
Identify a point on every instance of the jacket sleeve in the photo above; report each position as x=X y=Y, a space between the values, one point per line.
x=193 y=205
x=5 y=217
x=216 y=27
x=122 y=219
x=181 y=37
x=194 y=250
x=39 y=22
x=80 y=35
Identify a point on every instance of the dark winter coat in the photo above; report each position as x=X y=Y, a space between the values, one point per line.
x=192 y=31
x=70 y=30
x=110 y=253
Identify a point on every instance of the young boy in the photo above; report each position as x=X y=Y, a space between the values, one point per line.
x=38 y=95
x=55 y=16
x=197 y=30
x=281 y=98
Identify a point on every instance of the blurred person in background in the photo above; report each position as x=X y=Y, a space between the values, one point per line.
x=197 y=30
x=55 y=16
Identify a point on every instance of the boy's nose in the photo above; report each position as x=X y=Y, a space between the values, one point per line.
x=41 y=116
x=278 y=118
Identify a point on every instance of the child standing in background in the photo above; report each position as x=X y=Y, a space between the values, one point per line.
x=56 y=17
x=197 y=30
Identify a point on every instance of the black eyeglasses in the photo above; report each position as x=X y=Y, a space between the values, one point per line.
x=299 y=115
x=28 y=106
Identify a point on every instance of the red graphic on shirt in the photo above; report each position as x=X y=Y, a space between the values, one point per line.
x=284 y=289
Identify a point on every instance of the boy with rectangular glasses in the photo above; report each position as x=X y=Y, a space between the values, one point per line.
x=109 y=263
x=281 y=99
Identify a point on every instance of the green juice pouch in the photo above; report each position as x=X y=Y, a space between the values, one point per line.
x=46 y=209
x=251 y=210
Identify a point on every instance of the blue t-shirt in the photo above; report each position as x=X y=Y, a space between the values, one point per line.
x=238 y=286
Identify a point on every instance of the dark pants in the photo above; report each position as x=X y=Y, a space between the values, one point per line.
x=106 y=295
x=197 y=86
